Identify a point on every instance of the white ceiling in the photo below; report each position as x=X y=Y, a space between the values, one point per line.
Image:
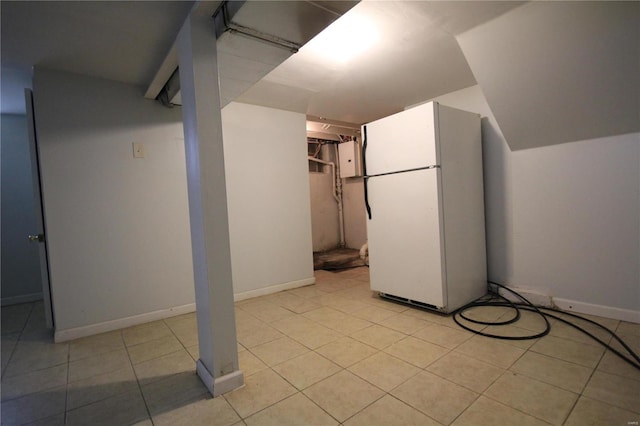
x=417 y=57
x=552 y=72
x=122 y=41
x=243 y=61
x=556 y=72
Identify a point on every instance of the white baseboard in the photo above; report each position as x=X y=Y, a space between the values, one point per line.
x=23 y=298
x=103 y=327
x=273 y=289
x=219 y=385
x=598 y=310
x=537 y=299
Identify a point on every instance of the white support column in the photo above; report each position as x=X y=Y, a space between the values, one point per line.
x=218 y=363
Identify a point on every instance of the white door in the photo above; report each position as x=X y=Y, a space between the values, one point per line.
x=403 y=141
x=38 y=235
x=405 y=236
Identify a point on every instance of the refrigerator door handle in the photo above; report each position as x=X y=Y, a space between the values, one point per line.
x=366 y=197
x=405 y=171
x=364 y=172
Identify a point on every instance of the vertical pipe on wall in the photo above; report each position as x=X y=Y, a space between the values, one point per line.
x=338 y=180
x=337 y=193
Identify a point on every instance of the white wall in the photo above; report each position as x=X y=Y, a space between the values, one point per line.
x=355 y=215
x=324 y=209
x=118 y=227
x=268 y=199
x=325 y=225
x=577 y=205
x=20 y=259
x=563 y=220
x=13 y=81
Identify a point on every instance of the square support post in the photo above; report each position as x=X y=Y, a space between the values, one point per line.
x=218 y=364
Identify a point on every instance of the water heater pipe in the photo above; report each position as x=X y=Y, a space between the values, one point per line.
x=337 y=195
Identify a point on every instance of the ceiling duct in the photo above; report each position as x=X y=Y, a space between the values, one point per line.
x=223 y=23
x=169 y=96
x=323 y=128
x=254 y=37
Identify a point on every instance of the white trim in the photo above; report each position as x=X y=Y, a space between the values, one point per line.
x=532 y=296
x=273 y=289
x=170 y=62
x=23 y=298
x=167 y=67
x=539 y=299
x=103 y=327
x=228 y=382
x=219 y=385
x=599 y=310
x=90 y=330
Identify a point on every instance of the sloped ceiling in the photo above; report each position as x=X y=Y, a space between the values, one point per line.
x=415 y=58
x=555 y=72
x=243 y=61
x=128 y=41
x=552 y=72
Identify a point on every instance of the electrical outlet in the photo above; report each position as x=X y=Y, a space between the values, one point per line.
x=138 y=150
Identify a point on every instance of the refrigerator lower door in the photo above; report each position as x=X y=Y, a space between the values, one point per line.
x=405 y=236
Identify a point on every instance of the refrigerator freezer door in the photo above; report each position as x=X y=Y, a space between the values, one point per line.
x=403 y=141
x=405 y=236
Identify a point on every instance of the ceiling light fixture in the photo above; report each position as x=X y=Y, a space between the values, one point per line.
x=345 y=39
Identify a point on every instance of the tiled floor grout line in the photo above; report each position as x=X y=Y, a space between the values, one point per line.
x=15 y=346
x=422 y=369
x=452 y=349
x=353 y=297
x=66 y=390
x=173 y=333
x=385 y=393
x=466 y=408
x=573 y=406
x=233 y=408
x=301 y=391
x=514 y=408
x=381 y=350
x=510 y=371
x=584 y=387
x=146 y=405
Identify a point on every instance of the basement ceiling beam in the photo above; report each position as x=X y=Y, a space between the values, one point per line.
x=170 y=63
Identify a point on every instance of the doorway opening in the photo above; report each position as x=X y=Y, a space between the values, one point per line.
x=336 y=189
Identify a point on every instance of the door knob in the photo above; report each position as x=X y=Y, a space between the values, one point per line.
x=37 y=238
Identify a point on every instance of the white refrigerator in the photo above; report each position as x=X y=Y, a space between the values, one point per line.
x=425 y=206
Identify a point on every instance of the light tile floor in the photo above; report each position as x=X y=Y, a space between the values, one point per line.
x=327 y=354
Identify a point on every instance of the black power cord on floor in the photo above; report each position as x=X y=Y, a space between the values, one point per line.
x=497 y=300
